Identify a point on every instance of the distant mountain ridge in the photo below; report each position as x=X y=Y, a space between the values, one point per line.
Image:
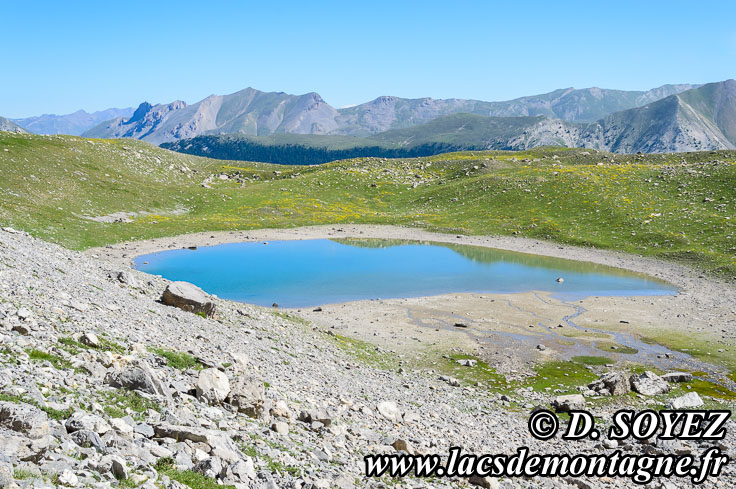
x=6 y=125
x=695 y=120
x=252 y=112
x=74 y=124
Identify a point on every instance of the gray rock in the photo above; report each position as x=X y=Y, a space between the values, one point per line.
x=210 y=467
x=611 y=383
x=213 y=386
x=649 y=384
x=85 y=421
x=678 y=377
x=138 y=377
x=119 y=469
x=68 y=478
x=484 y=482
x=689 y=400
x=247 y=395
x=188 y=297
x=127 y=278
x=569 y=403
x=24 y=431
x=144 y=430
x=467 y=362
x=90 y=339
x=88 y=439
x=390 y=411
x=6 y=477
x=315 y=416
x=280 y=427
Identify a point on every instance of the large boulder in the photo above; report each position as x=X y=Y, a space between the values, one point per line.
x=138 y=378
x=610 y=384
x=674 y=377
x=86 y=421
x=24 y=431
x=188 y=297
x=213 y=386
x=390 y=411
x=649 y=384
x=572 y=402
x=247 y=395
x=689 y=400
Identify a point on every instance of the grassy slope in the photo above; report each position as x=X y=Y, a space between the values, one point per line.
x=671 y=206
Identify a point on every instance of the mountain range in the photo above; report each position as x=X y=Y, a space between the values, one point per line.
x=669 y=118
x=9 y=126
x=74 y=124
x=703 y=118
x=256 y=113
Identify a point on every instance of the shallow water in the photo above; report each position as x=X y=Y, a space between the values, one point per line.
x=313 y=272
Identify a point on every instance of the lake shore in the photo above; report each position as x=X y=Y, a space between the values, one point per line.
x=502 y=323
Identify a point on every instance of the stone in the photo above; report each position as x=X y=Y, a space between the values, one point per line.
x=390 y=411
x=675 y=377
x=89 y=339
x=6 y=477
x=138 y=377
x=119 y=469
x=210 y=467
x=244 y=469
x=402 y=445
x=610 y=444
x=467 y=362
x=68 y=478
x=315 y=416
x=213 y=386
x=280 y=427
x=144 y=429
x=121 y=426
x=86 y=421
x=247 y=395
x=649 y=384
x=22 y=329
x=611 y=383
x=541 y=347
x=188 y=297
x=689 y=400
x=485 y=482
x=571 y=402
x=88 y=439
x=127 y=278
x=24 y=431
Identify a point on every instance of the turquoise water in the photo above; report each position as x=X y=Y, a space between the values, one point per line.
x=313 y=272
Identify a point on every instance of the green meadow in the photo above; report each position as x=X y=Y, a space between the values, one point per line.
x=84 y=193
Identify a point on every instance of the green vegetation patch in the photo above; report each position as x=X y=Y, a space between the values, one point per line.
x=57 y=414
x=559 y=375
x=178 y=360
x=74 y=347
x=117 y=402
x=189 y=478
x=55 y=360
x=616 y=348
x=365 y=352
x=592 y=360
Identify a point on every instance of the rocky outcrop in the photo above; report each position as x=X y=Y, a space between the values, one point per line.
x=649 y=384
x=188 y=297
x=138 y=378
x=24 y=431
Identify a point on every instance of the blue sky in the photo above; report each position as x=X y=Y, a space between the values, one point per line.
x=62 y=56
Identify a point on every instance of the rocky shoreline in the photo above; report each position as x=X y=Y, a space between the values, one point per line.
x=102 y=385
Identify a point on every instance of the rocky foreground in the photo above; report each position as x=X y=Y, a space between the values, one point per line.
x=103 y=385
